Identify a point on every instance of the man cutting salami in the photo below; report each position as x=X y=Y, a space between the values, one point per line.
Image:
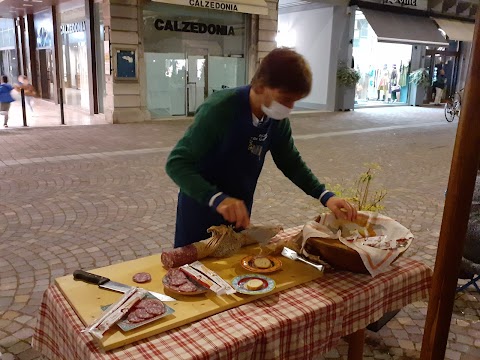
x=219 y=159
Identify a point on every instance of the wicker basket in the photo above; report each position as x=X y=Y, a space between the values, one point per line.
x=338 y=255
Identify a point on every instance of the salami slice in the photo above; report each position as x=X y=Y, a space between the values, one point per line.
x=141 y=304
x=142 y=277
x=147 y=302
x=156 y=310
x=176 y=277
x=143 y=314
x=179 y=256
x=188 y=287
x=133 y=318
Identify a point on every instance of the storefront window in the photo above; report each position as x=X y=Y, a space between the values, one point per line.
x=8 y=53
x=100 y=54
x=384 y=67
x=75 y=60
x=189 y=54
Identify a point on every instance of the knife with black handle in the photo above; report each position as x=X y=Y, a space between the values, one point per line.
x=106 y=283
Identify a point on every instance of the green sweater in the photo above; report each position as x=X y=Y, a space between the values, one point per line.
x=222 y=154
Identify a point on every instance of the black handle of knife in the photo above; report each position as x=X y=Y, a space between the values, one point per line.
x=89 y=277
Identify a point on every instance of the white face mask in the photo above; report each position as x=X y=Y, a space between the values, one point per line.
x=276 y=111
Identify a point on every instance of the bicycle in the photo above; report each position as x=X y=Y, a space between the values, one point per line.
x=453 y=106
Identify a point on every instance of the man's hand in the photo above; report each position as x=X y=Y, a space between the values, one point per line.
x=234 y=211
x=342 y=208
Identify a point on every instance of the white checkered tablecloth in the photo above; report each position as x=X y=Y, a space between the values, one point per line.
x=298 y=323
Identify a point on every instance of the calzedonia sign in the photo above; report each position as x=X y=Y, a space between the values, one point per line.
x=213 y=5
x=193 y=27
x=73 y=28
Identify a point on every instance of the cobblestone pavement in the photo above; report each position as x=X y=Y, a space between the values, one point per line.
x=90 y=196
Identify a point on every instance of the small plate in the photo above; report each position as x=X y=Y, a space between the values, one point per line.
x=201 y=289
x=126 y=325
x=247 y=264
x=239 y=284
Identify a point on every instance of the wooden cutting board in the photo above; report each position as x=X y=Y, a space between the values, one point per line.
x=87 y=299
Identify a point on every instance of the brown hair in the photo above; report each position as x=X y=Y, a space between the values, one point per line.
x=286 y=70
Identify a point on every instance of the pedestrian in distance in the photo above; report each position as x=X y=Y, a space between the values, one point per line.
x=5 y=99
x=28 y=90
x=439 y=86
x=219 y=159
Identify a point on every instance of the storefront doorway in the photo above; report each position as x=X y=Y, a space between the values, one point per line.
x=382 y=51
x=189 y=54
x=45 y=68
x=383 y=67
x=197 y=84
x=446 y=60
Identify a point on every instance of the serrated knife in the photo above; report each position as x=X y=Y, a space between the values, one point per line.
x=106 y=283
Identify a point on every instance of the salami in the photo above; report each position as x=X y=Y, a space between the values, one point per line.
x=176 y=277
x=156 y=310
x=142 y=277
x=188 y=287
x=179 y=256
x=133 y=318
x=143 y=314
x=147 y=302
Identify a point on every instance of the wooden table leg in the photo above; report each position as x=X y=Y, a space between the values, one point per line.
x=355 y=345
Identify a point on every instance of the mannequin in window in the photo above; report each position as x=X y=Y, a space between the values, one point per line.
x=384 y=83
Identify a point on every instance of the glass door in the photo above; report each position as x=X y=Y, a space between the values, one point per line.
x=225 y=72
x=166 y=78
x=446 y=60
x=196 y=87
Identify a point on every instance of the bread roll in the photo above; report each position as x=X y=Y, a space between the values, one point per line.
x=262 y=263
x=254 y=284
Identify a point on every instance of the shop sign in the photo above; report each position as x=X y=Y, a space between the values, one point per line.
x=193 y=27
x=73 y=28
x=213 y=5
x=411 y=4
x=400 y=2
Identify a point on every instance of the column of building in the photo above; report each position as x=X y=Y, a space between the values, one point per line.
x=123 y=100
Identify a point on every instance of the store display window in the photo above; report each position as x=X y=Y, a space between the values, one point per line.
x=384 y=67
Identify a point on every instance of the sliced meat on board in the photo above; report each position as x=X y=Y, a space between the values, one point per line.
x=176 y=280
x=142 y=277
x=146 y=309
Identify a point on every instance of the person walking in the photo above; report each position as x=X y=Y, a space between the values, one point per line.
x=28 y=90
x=439 y=86
x=219 y=159
x=5 y=99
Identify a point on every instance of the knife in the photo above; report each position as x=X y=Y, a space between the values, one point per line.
x=106 y=283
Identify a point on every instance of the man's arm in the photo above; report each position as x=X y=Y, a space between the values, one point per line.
x=288 y=160
x=182 y=165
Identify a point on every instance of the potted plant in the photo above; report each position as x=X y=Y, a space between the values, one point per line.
x=347 y=78
x=359 y=192
x=420 y=80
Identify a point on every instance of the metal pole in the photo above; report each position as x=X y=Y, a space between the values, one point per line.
x=24 y=110
x=466 y=156
x=60 y=100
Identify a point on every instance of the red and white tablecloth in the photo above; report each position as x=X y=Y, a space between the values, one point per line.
x=298 y=323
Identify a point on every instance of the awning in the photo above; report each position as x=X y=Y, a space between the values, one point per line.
x=404 y=29
x=456 y=30
x=258 y=7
